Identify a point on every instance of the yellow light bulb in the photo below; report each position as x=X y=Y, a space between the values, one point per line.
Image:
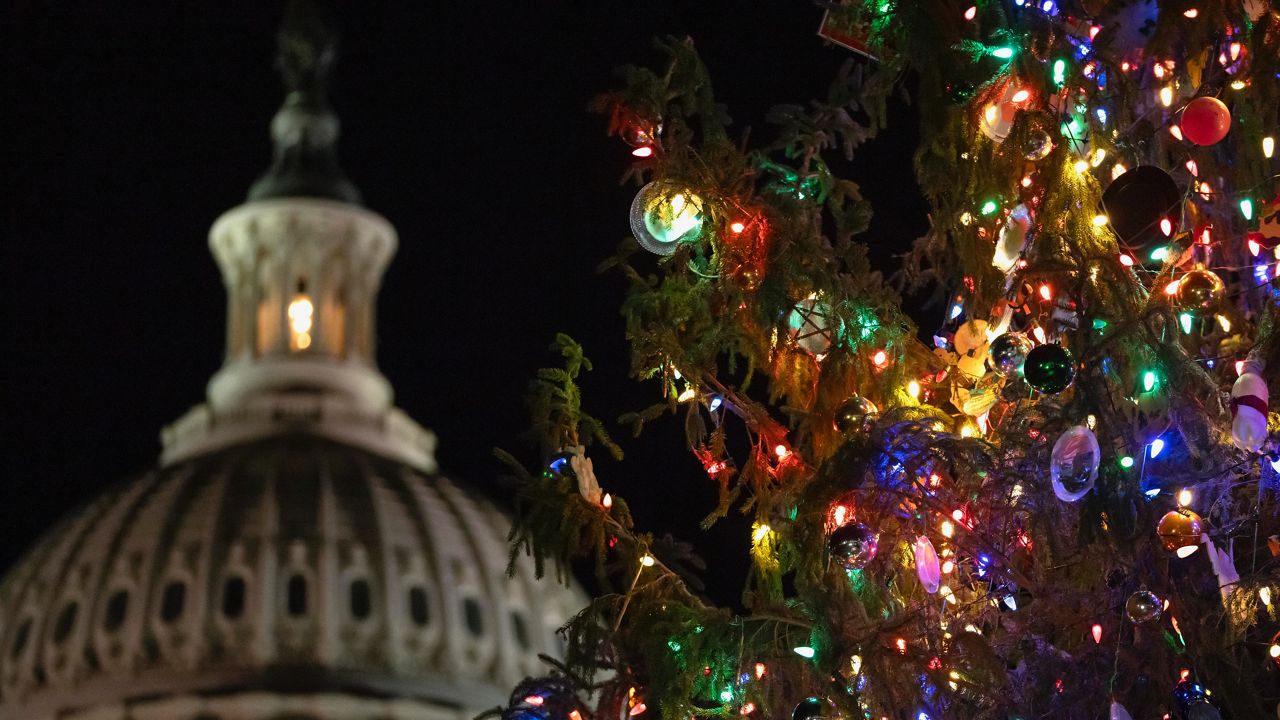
x=1099 y=220
x=1081 y=166
x=1166 y=95
x=647 y=560
x=1264 y=594
x=913 y=389
x=1268 y=146
x=948 y=529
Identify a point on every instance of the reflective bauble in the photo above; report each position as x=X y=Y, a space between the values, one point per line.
x=1199 y=289
x=1073 y=464
x=1048 y=368
x=853 y=545
x=1143 y=607
x=1038 y=145
x=1008 y=352
x=544 y=698
x=1180 y=531
x=855 y=414
x=1192 y=702
x=664 y=215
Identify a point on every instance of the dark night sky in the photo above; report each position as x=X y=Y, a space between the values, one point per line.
x=129 y=127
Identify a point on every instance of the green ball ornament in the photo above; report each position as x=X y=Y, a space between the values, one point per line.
x=1049 y=369
x=855 y=414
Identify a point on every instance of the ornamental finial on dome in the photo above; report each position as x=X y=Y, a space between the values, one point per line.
x=305 y=129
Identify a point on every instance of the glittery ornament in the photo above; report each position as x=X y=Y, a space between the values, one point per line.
x=1008 y=352
x=853 y=545
x=855 y=413
x=1200 y=289
x=1143 y=607
x=1048 y=368
x=1038 y=145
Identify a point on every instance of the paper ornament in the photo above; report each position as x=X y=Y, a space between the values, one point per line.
x=1249 y=408
x=1224 y=566
x=927 y=567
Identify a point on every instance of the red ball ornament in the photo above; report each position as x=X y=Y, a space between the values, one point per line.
x=1205 y=121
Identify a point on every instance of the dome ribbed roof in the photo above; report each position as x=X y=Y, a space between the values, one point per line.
x=294 y=568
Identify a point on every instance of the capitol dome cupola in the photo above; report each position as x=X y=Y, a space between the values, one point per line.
x=302 y=262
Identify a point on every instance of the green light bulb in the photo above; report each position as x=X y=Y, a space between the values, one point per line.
x=1059 y=72
x=1004 y=53
x=805 y=651
x=1149 y=380
x=989 y=207
x=1126 y=462
x=1185 y=319
x=1160 y=253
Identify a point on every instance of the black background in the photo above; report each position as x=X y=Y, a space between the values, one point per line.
x=129 y=127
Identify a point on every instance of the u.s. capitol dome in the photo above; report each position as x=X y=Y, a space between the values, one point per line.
x=295 y=553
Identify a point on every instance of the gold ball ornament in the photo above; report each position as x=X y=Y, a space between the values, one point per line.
x=1180 y=531
x=1200 y=289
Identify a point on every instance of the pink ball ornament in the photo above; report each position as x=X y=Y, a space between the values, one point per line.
x=1205 y=121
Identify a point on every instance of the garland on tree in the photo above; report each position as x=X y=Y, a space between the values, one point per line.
x=1002 y=523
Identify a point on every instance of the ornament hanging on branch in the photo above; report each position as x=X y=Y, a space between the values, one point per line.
x=1038 y=145
x=1049 y=369
x=1008 y=352
x=853 y=545
x=1249 y=399
x=1013 y=238
x=1205 y=121
x=1073 y=464
x=812 y=325
x=1180 y=531
x=1192 y=702
x=1199 y=290
x=1118 y=712
x=855 y=414
x=971 y=349
x=927 y=567
x=1138 y=201
x=996 y=119
x=664 y=215
x=1143 y=607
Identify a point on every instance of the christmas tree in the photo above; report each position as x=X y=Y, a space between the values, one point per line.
x=1062 y=502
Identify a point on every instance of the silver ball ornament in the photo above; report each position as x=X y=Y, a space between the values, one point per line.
x=1143 y=607
x=1007 y=353
x=853 y=545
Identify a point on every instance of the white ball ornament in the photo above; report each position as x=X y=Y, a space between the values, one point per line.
x=1073 y=463
x=1249 y=408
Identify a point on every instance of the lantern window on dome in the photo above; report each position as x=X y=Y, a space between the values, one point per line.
x=301 y=314
x=474 y=615
x=419 y=610
x=296 y=596
x=117 y=607
x=66 y=622
x=361 y=599
x=233 y=591
x=20 y=639
x=173 y=601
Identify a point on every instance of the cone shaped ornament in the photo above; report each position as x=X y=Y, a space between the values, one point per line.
x=927 y=567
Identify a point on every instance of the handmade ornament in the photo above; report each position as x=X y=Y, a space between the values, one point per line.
x=1118 y=712
x=854 y=414
x=1073 y=463
x=1008 y=352
x=1199 y=290
x=1048 y=368
x=580 y=468
x=664 y=215
x=853 y=545
x=1143 y=607
x=544 y=698
x=1205 y=121
x=1137 y=201
x=1038 y=145
x=1013 y=238
x=812 y=708
x=812 y=325
x=1180 y=531
x=971 y=349
x=1249 y=398
x=996 y=119
x=927 y=567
